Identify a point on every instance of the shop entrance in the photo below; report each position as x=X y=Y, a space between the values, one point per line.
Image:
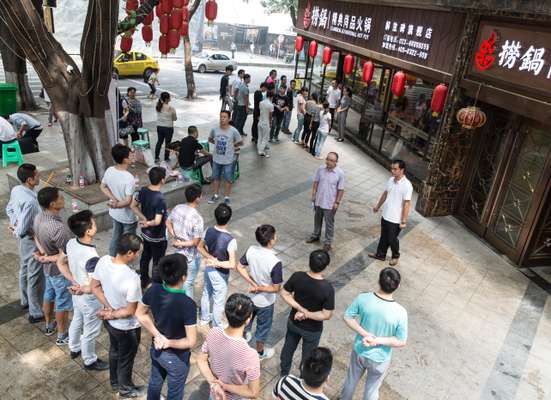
x=505 y=193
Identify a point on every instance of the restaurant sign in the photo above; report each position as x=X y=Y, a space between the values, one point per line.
x=512 y=55
x=425 y=37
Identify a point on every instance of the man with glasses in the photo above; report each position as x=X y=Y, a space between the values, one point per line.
x=397 y=204
x=327 y=193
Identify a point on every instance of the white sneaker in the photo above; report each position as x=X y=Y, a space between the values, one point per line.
x=248 y=336
x=203 y=323
x=267 y=155
x=266 y=354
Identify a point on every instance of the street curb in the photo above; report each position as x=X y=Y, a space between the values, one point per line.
x=273 y=65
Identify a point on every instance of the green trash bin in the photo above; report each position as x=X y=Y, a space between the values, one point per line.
x=8 y=98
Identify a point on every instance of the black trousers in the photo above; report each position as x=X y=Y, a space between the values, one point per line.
x=164 y=134
x=332 y=112
x=123 y=347
x=151 y=251
x=306 y=131
x=254 y=128
x=276 y=127
x=310 y=340
x=389 y=238
x=313 y=136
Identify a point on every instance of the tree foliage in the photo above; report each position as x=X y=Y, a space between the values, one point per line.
x=282 y=6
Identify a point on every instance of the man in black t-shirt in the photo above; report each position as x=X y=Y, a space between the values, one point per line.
x=149 y=205
x=173 y=328
x=312 y=299
x=280 y=106
x=191 y=154
x=258 y=97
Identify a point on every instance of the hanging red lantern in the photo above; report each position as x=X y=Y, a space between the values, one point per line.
x=313 y=49
x=348 y=64
x=471 y=117
x=211 y=10
x=164 y=24
x=177 y=3
x=326 y=55
x=131 y=5
x=147 y=34
x=184 y=28
x=398 y=84
x=186 y=2
x=439 y=98
x=166 y=6
x=185 y=14
x=158 y=11
x=173 y=38
x=299 y=44
x=163 y=45
x=367 y=71
x=175 y=18
x=148 y=19
x=126 y=43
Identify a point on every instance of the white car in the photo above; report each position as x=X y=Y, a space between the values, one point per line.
x=211 y=62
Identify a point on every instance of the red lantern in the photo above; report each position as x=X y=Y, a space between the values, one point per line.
x=166 y=6
x=326 y=55
x=126 y=43
x=158 y=11
x=186 y=2
x=148 y=19
x=173 y=38
x=299 y=44
x=367 y=71
x=147 y=34
x=211 y=10
x=131 y=5
x=348 y=64
x=471 y=117
x=185 y=14
x=163 y=45
x=398 y=87
x=313 y=49
x=164 y=24
x=184 y=28
x=175 y=18
x=439 y=98
x=177 y=3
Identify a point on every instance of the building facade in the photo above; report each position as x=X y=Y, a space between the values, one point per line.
x=490 y=167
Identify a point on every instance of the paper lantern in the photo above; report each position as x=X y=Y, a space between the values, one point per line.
x=147 y=34
x=367 y=71
x=185 y=14
x=158 y=11
x=131 y=5
x=326 y=55
x=173 y=38
x=471 y=117
x=211 y=10
x=186 y=2
x=178 y=3
x=164 y=24
x=439 y=98
x=175 y=18
x=163 y=45
x=148 y=19
x=126 y=43
x=166 y=6
x=398 y=87
x=299 y=44
x=313 y=49
x=348 y=64
x=184 y=28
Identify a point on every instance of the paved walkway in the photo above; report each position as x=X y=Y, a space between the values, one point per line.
x=478 y=328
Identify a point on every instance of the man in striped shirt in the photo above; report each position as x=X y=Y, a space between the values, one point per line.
x=314 y=372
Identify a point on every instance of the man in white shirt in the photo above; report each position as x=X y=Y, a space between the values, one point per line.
x=265 y=124
x=7 y=133
x=118 y=288
x=397 y=205
x=333 y=98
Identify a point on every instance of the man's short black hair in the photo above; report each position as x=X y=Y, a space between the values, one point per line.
x=172 y=268
x=25 y=171
x=238 y=309
x=119 y=152
x=80 y=222
x=229 y=68
x=335 y=154
x=226 y=112
x=316 y=367
x=156 y=175
x=246 y=76
x=130 y=88
x=264 y=234
x=272 y=71
x=241 y=71
x=129 y=242
x=319 y=260
x=193 y=192
x=283 y=77
x=270 y=94
x=401 y=164
x=389 y=279
x=47 y=196
x=304 y=89
x=263 y=85
x=192 y=129
x=292 y=80
x=222 y=214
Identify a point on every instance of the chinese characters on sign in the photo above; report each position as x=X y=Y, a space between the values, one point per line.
x=357 y=26
x=410 y=39
x=531 y=61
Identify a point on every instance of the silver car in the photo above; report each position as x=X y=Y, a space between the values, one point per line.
x=211 y=62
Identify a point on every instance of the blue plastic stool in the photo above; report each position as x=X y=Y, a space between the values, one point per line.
x=11 y=154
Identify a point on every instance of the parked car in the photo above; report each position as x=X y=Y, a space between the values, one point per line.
x=211 y=62
x=134 y=63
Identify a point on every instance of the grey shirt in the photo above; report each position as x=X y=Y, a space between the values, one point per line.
x=22 y=210
x=345 y=102
x=313 y=109
x=53 y=235
x=243 y=96
x=224 y=144
x=19 y=119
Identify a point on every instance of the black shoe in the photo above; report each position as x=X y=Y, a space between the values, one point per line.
x=34 y=320
x=25 y=307
x=74 y=354
x=313 y=240
x=376 y=256
x=97 y=365
x=115 y=387
x=131 y=393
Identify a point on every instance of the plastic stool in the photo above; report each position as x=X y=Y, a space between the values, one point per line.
x=140 y=144
x=236 y=171
x=144 y=133
x=193 y=174
x=11 y=154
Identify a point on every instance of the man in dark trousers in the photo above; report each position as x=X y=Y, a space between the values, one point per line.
x=224 y=89
x=280 y=106
x=258 y=97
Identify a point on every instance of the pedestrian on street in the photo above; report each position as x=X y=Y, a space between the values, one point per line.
x=218 y=247
x=291 y=93
x=327 y=193
x=153 y=82
x=166 y=115
x=301 y=111
x=397 y=204
x=134 y=107
x=258 y=96
x=226 y=140
x=311 y=120
x=261 y=268
x=242 y=104
x=280 y=107
x=323 y=130
x=51 y=236
x=342 y=112
x=234 y=92
x=173 y=328
x=119 y=185
x=312 y=301
x=85 y=326
x=265 y=124
x=22 y=208
x=225 y=94
x=333 y=97
x=185 y=227
x=118 y=289
x=381 y=324
x=149 y=205
x=314 y=373
x=233 y=49
x=229 y=365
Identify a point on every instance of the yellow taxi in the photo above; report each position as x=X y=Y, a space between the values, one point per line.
x=134 y=63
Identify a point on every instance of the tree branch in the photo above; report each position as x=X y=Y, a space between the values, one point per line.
x=293 y=13
x=133 y=20
x=193 y=8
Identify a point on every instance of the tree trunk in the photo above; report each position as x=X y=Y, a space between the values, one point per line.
x=190 y=81
x=293 y=13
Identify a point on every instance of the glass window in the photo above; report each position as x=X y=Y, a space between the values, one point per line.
x=125 y=57
x=140 y=57
x=223 y=57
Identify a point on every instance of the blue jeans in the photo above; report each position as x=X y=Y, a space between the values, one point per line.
x=215 y=288
x=119 y=229
x=264 y=317
x=57 y=291
x=300 y=125
x=193 y=269
x=320 y=140
x=225 y=170
x=165 y=363
x=287 y=119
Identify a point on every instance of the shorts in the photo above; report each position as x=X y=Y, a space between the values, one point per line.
x=57 y=291
x=264 y=318
x=219 y=169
